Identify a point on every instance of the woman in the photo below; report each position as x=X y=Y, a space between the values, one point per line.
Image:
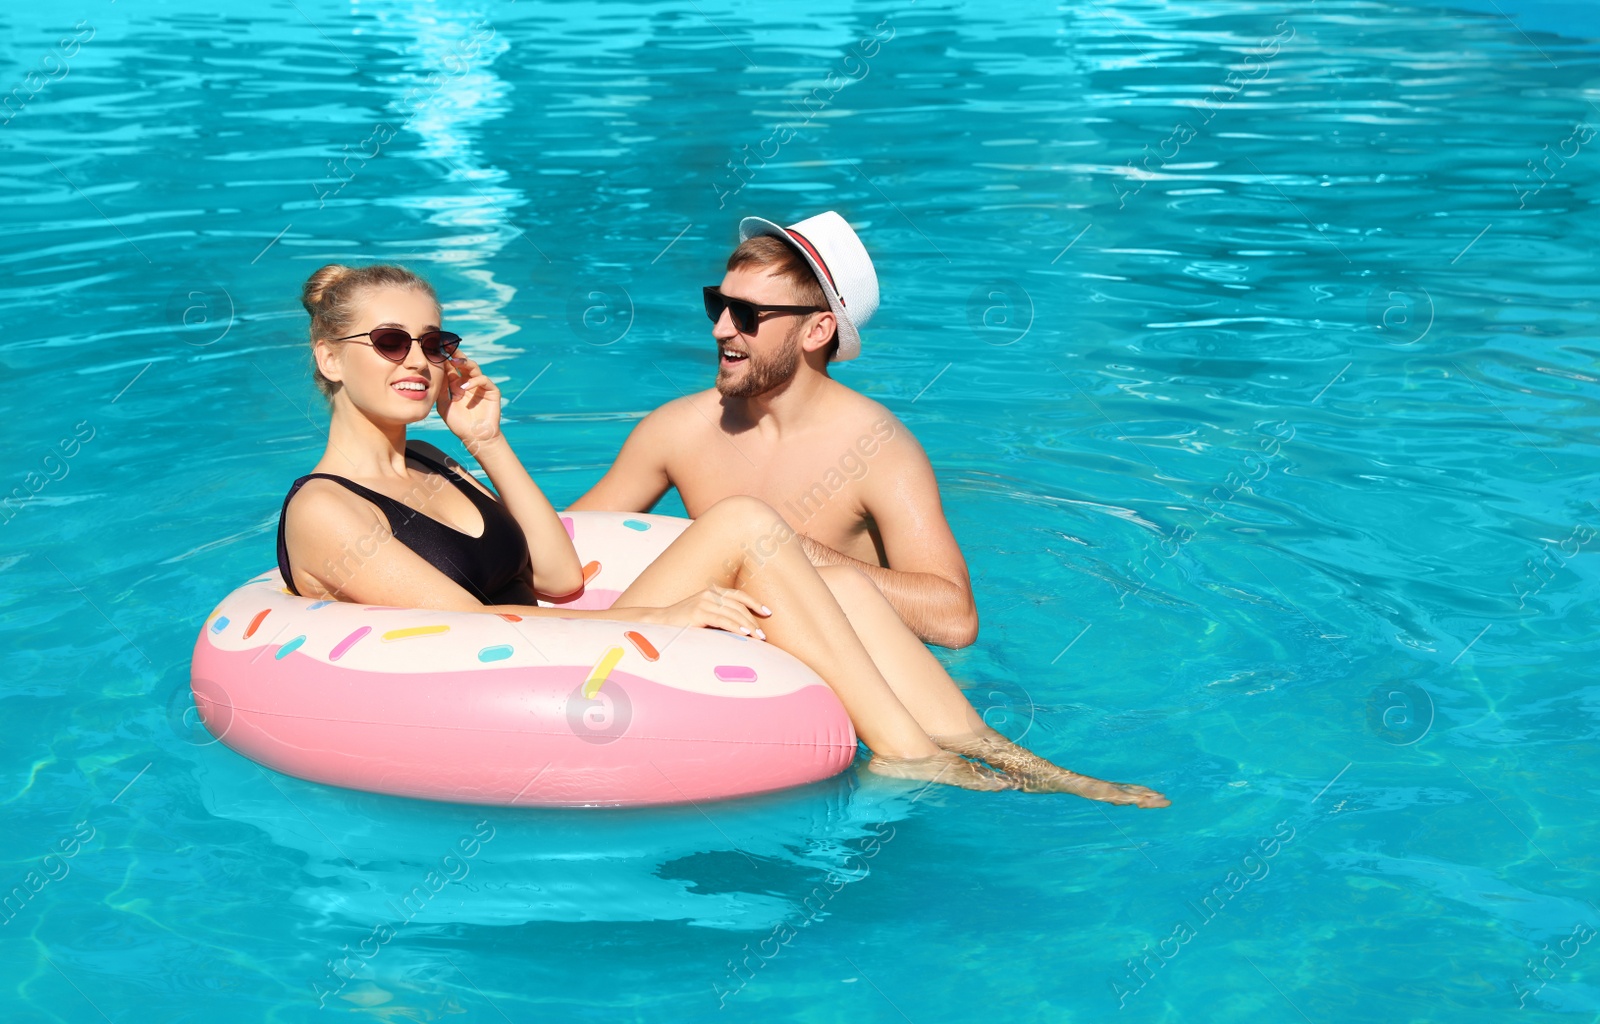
x=382 y=361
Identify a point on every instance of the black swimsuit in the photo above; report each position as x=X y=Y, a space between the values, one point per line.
x=495 y=568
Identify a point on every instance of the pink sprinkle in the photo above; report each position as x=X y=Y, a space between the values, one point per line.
x=735 y=673
x=347 y=643
x=571 y=530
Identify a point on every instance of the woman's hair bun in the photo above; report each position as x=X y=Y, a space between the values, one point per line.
x=319 y=284
x=333 y=298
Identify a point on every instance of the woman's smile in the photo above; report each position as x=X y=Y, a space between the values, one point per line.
x=412 y=387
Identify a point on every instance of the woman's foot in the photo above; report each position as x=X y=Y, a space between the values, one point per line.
x=1034 y=774
x=943 y=767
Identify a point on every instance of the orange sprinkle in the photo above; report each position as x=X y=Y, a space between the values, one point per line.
x=590 y=571
x=255 y=622
x=509 y=617
x=642 y=645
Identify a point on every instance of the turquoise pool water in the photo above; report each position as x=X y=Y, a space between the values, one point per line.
x=1255 y=348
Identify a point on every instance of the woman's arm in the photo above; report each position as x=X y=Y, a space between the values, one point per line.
x=556 y=569
x=470 y=407
x=341 y=549
x=715 y=608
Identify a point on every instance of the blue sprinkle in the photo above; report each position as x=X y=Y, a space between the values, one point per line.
x=290 y=647
x=636 y=524
x=219 y=625
x=319 y=604
x=500 y=652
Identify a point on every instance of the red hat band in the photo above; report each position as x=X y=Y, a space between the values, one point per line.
x=812 y=250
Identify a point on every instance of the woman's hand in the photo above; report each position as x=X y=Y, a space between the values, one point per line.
x=717 y=607
x=469 y=403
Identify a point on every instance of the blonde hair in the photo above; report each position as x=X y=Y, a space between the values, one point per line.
x=330 y=297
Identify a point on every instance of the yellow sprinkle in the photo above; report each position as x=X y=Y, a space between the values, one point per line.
x=408 y=633
x=601 y=670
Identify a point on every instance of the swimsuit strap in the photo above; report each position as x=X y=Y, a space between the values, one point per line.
x=454 y=476
x=386 y=505
x=439 y=543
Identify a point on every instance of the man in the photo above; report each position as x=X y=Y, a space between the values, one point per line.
x=844 y=473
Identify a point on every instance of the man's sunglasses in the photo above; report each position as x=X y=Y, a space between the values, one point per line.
x=394 y=344
x=747 y=316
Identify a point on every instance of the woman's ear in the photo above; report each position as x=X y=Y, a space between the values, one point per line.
x=327 y=360
x=821 y=332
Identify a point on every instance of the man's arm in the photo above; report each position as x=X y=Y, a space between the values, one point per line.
x=927 y=581
x=638 y=478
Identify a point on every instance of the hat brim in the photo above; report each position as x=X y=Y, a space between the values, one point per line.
x=849 y=337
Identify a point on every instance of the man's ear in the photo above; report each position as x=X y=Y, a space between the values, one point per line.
x=821 y=332
x=327 y=360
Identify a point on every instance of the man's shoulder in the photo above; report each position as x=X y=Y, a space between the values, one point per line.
x=680 y=415
x=872 y=419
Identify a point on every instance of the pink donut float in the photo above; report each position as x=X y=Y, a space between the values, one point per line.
x=491 y=709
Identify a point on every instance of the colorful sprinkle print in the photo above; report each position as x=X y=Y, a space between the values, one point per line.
x=413 y=631
x=601 y=670
x=318 y=604
x=642 y=645
x=566 y=521
x=289 y=648
x=636 y=524
x=590 y=571
x=735 y=673
x=255 y=623
x=219 y=625
x=348 y=642
x=499 y=652
x=509 y=617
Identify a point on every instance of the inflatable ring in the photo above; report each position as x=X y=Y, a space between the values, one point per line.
x=527 y=711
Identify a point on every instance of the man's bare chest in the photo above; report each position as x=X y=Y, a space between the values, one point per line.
x=815 y=485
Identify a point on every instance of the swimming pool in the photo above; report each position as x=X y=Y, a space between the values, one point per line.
x=1262 y=394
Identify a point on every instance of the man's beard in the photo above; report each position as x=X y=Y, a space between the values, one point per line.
x=764 y=374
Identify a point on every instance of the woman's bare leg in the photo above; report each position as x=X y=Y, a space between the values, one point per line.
x=1040 y=776
x=807 y=622
x=942 y=710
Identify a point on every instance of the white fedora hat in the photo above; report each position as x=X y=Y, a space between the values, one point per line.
x=841 y=264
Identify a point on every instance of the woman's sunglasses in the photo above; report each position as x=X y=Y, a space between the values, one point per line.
x=394 y=344
x=747 y=316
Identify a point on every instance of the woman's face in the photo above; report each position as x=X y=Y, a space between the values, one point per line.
x=383 y=389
